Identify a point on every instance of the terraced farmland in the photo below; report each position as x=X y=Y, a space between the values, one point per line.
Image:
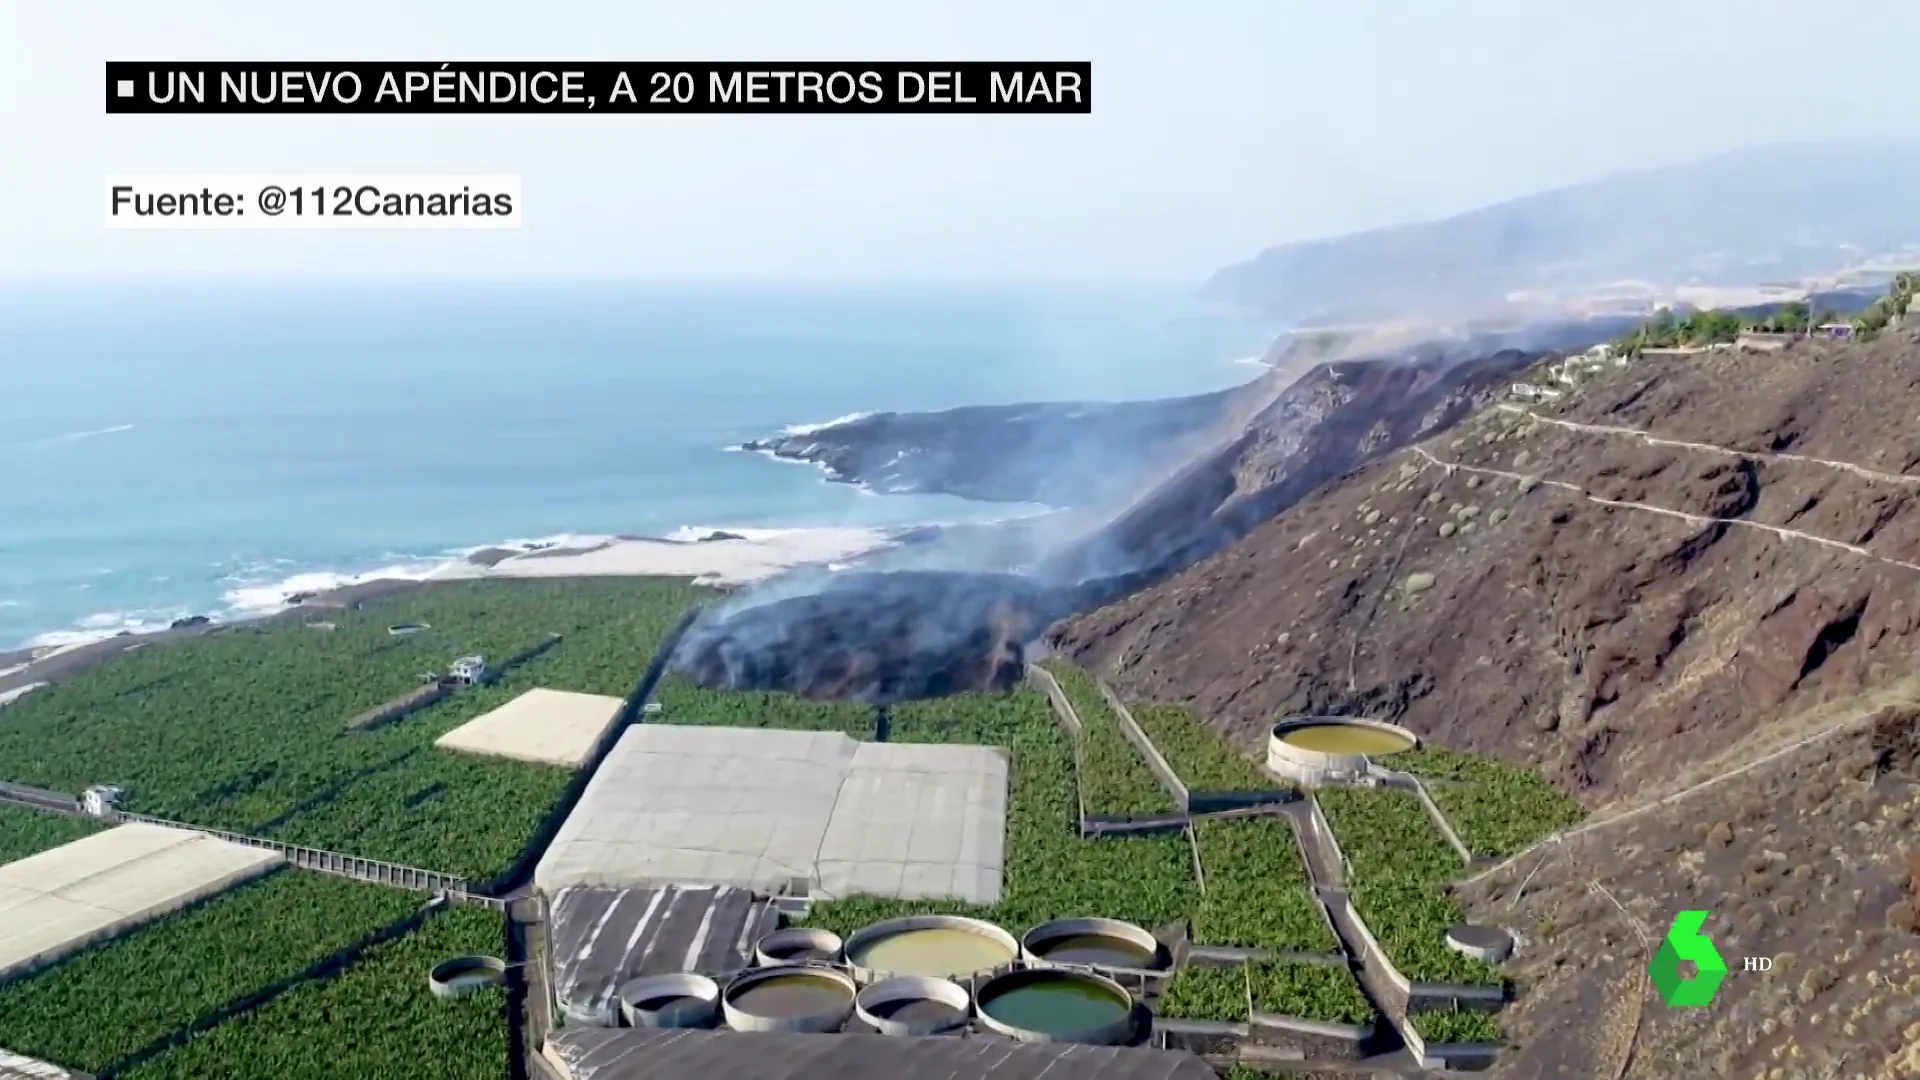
x=1496 y=808
x=1116 y=780
x=376 y=1020
x=1399 y=861
x=244 y=729
x=1258 y=895
x=101 y=1006
x=1199 y=756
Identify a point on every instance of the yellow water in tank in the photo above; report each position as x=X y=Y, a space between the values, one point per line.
x=936 y=952
x=1347 y=739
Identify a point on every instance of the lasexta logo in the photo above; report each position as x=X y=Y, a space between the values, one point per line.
x=1685 y=942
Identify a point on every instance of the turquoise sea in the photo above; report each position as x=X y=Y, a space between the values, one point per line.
x=205 y=448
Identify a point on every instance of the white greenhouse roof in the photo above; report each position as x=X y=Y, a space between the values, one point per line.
x=557 y=727
x=100 y=886
x=759 y=808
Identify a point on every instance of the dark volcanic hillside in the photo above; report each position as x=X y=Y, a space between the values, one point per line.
x=931 y=627
x=1638 y=614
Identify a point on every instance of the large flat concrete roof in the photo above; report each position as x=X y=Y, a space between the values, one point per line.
x=554 y=727
x=97 y=887
x=760 y=809
x=661 y=1054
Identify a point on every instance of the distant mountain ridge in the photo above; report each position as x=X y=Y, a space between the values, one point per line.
x=1764 y=214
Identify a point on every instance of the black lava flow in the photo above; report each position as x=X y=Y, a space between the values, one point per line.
x=878 y=637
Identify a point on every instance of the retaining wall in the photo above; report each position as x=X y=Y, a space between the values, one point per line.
x=1208 y=1038
x=1410 y=782
x=1314 y=1040
x=401 y=707
x=1449 y=1055
x=1411 y=996
x=1138 y=737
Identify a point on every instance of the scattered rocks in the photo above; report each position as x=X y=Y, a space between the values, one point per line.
x=1448 y=528
x=1473 y=482
x=1468 y=512
x=1520 y=459
x=1417 y=582
x=1373 y=517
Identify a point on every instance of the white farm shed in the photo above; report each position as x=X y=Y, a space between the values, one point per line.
x=556 y=727
x=100 y=886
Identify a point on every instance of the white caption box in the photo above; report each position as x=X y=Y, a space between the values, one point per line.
x=313 y=201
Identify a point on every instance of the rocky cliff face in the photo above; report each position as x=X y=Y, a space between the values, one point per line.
x=1558 y=587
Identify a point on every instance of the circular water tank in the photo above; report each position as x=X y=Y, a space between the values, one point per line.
x=789 y=998
x=797 y=945
x=684 y=1000
x=464 y=975
x=1095 y=943
x=913 y=1005
x=1312 y=750
x=933 y=946
x=1488 y=943
x=1054 y=1005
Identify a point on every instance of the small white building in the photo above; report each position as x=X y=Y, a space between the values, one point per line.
x=102 y=800
x=469 y=670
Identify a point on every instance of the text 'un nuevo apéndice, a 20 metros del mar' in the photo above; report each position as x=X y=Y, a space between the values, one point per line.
x=601 y=86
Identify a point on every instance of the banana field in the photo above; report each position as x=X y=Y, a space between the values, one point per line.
x=1200 y=757
x=375 y=1020
x=1258 y=895
x=25 y=832
x=1496 y=808
x=95 y=1009
x=244 y=729
x=682 y=701
x=1115 y=780
x=1399 y=863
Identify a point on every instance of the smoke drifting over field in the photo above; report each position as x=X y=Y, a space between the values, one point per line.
x=866 y=636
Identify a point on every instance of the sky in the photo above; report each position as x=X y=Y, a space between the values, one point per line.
x=1219 y=127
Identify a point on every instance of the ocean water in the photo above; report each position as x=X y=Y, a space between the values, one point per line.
x=206 y=448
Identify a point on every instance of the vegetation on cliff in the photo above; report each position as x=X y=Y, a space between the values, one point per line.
x=1665 y=330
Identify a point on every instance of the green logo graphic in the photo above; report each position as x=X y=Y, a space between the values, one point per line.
x=1686 y=942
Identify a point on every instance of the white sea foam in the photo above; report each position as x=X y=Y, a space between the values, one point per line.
x=103 y=625
x=265 y=598
x=559 y=541
x=813 y=429
x=1256 y=360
